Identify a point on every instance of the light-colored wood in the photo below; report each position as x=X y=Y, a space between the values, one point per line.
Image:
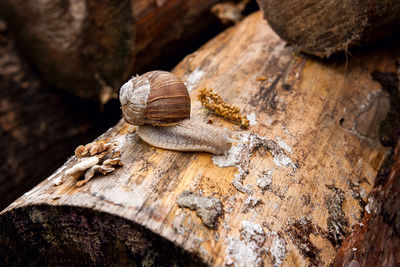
x=320 y=123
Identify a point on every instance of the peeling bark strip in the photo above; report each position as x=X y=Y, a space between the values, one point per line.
x=302 y=146
x=322 y=28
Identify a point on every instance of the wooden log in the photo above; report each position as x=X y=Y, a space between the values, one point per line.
x=376 y=241
x=288 y=197
x=90 y=47
x=35 y=122
x=322 y=28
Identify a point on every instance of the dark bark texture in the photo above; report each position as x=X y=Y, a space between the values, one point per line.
x=70 y=236
x=88 y=47
x=376 y=241
x=39 y=127
x=322 y=28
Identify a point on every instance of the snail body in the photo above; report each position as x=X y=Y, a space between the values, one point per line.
x=189 y=135
x=158 y=103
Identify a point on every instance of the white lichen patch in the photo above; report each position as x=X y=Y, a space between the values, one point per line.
x=278 y=249
x=232 y=158
x=265 y=181
x=252 y=119
x=283 y=145
x=133 y=198
x=247 y=250
x=193 y=79
x=250 y=203
x=239 y=156
x=120 y=141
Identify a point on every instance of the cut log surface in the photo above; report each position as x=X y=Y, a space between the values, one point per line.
x=90 y=48
x=288 y=197
x=322 y=28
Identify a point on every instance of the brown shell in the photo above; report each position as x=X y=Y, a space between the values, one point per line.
x=167 y=103
x=169 y=100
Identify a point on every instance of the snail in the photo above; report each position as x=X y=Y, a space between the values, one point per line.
x=158 y=103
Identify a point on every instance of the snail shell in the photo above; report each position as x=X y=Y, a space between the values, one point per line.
x=159 y=104
x=157 y=98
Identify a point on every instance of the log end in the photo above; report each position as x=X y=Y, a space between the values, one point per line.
x=54 y=235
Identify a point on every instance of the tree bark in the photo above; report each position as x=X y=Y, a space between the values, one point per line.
x=376 y=241
x=35 y=122
x=288 y=197
x=90 y=48
x=322 y=28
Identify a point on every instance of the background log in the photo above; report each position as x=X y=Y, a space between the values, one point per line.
x=37 y=121
x=288 y=200
x=90 y=48
x=322 y=28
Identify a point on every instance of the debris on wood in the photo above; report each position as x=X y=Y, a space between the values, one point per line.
x=96 y=157
x=239 y=156
x=261 y=78
x=229 y=12
x=337 y=222
x=300 y=231
x=213 y=101
x=207 y=208
x=79 y=168
x=248 y=250
x=250 y=203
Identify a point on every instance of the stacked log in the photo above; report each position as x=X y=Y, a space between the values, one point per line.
x=291 y=196
x=56 y=55
x=90 y=48
x=323 y=28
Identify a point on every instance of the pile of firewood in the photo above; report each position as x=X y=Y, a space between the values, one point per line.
x=313 y=179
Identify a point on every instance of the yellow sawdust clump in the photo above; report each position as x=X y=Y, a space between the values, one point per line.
x=212 y=101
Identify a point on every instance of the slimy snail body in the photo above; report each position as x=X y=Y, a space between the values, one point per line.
x=158 y=103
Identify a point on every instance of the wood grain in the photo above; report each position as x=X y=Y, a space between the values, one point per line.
x=312 y=160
